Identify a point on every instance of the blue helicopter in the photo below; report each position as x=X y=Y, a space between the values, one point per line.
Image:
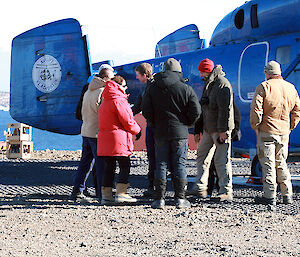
x=51 y=63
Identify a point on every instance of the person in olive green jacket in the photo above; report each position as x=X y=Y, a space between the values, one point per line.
x=218 y=123
x=275 y=111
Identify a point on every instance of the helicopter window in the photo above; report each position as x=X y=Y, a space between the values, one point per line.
x=254 y=19
x=239 y=19
x=283 y=54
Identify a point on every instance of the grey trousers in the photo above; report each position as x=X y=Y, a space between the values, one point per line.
x=272 y=151
x=209 y=148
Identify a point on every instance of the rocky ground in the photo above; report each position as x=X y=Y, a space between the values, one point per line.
x=37 y=219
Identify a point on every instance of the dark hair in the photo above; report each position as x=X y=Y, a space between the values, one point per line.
x=119 y=79
x=103 y=73
x=275 y=76
x=145 y=68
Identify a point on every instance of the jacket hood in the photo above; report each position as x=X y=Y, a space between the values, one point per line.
x=96 y=83
x=112 y=91
x=216 y=72
x=168 y=78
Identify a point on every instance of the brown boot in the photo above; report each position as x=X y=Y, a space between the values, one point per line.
x=121 y=194
x=226 y=197
x=288 y=199
x=107 y=198
x=195 y=191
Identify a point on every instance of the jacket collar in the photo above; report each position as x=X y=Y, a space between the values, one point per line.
x=112 y=91
x=216 y=72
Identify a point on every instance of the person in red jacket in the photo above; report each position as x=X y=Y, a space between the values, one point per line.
x=114 y=143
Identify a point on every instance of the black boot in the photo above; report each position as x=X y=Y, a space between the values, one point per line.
x=159 y=194
x=76 y=195
x=95 y=180
x=75 y=192
x=150 y=190
x=179 y=188
x=87 y=193
x=265 y=201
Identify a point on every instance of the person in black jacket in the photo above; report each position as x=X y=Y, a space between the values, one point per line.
x=171 y=106
x=144 y=75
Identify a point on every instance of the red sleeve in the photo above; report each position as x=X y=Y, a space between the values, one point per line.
x=126 y=118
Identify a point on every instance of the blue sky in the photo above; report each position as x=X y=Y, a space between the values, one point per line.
x=123 y=31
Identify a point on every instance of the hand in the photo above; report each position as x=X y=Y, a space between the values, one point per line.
x=197 y=138
x=222 y=136
x=138 y=136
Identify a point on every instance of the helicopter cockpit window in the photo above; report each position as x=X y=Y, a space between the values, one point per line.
x=239 y=19
x=254 y=19
x=283 y=54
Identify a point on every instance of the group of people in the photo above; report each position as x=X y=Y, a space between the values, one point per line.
x=170 y=107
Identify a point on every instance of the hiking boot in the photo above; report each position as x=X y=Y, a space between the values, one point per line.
x=182 y=203
x=194 y=191
x=87 y=193
x=76 y=195
x=264 y=200
x=179 y=189
x=107 y=202
x=121 y=194
x=107 y=198
x=149 y=192
x=125 y=198
x=287 y=199
x=158 y=204
x=227 y=197
x=160 y=187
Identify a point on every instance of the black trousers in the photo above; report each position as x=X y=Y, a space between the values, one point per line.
x=150 y=145
x=110 y=163
x=213 y=179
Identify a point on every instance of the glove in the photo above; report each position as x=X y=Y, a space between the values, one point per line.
x=138 y=136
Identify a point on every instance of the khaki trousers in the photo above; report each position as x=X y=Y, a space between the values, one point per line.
x=272 y=151
x=208 y=149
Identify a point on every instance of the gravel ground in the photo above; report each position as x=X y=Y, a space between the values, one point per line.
x=37 y=219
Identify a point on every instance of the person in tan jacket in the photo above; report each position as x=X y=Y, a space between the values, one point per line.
x=89 y=130
x=275 y=111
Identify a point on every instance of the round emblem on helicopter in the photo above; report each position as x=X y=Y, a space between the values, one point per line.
x=46 y=74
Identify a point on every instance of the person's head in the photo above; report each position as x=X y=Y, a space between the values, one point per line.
x=272 y=70
x=205 y=67
x=106 y=72
x=144 y=72
x=172 y=65
x=121 y=81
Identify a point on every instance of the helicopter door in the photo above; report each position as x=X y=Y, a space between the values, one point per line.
x=251 y=69
x=290 y=64
x=294 y=77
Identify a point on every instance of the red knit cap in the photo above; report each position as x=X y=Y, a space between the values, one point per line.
x=206 y=65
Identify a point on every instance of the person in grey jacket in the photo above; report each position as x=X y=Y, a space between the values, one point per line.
x=171 y=106
x=218 y=123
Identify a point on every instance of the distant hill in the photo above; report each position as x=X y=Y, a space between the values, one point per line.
x=4 y=101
